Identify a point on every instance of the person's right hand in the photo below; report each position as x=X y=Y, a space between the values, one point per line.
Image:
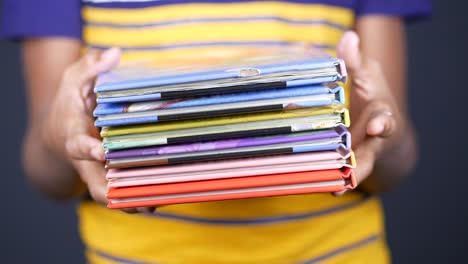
x=69 y=128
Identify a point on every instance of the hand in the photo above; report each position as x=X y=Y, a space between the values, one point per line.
x=69 y=128
x=374 y=112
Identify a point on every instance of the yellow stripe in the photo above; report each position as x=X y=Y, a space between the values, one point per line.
x=222 y=31
x=338 y=15
x=285 y=242
x=262 y=207
x=181 y=53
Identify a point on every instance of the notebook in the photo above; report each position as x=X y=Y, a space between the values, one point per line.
x=275 y=64
x=225 y=86
x=214 y=121
x=232 y=188
x=117 y=108
x=226 y=144
x=339 y=141
x=293 y=166
x=163 y=111
x=229 y=131
x=229 y=164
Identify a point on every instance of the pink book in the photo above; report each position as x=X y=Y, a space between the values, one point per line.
x=229 y=164
x=272 y=168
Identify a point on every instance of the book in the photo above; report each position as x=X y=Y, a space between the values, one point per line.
x=229 y=131
x=215 y=121
x=333 y=143
x=167 y=110
x=293 y=166
x=227 y=144
x=232 y=188
x=254 y=65
x=199 y=167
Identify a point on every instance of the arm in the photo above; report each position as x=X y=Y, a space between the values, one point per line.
x=44 y=61
x=383 y=39
x=383 y=137
x=62 y=150
x=61 y=141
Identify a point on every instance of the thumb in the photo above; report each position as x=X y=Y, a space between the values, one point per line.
x=348 y=50
x=93 y=63
x=103 y=62
x=109 y=59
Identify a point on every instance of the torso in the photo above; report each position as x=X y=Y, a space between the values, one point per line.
x=291 y=229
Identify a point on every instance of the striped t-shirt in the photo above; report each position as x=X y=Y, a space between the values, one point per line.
x=316 y=228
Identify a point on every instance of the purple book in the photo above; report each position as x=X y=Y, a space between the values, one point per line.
x=227 y=144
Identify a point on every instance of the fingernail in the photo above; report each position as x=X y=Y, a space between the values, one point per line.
x=340 y=193
x=109 y=59
x=97 y=153
x=109 y=53
x=379 y=128
x=376 y=129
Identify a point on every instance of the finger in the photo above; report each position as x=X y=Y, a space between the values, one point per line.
x=365 y=72
x=96 y=63
x=139 y=210
x=359 y=126
x=348 y=50
x=90 y=104
x=129 y=210
x=93 y=174
x=85 y=70
x=365 y=159
x=109 y=59
x=340 y=193
x=84 y=147
x=382 y=124
x=375 y=119
x=145 y=210
x=366 y=154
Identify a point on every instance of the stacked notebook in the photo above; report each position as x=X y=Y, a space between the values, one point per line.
x=242 y=124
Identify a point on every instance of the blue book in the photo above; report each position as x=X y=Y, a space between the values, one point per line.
x=263 y=101
x=117 y=108
x=251 y=70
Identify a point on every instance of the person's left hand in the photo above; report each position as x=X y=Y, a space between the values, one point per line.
x=374 y=113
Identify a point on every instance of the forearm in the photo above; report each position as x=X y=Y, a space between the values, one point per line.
x=44 y=61
x=383 y=40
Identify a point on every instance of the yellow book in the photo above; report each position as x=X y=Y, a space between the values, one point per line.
x=205 y=122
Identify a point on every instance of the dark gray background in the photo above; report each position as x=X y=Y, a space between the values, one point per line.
x=426 y=217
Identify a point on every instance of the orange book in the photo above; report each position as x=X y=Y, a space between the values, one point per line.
x=232 y=188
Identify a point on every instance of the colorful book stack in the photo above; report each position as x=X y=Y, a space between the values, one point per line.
x=246 y=123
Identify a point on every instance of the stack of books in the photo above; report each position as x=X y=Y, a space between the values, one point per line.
x=248 y=123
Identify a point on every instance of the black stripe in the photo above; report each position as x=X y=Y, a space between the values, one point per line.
x=344 y=249
x=230 y=135
x=250 y=109
x=233 y=155
x=223 y=90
